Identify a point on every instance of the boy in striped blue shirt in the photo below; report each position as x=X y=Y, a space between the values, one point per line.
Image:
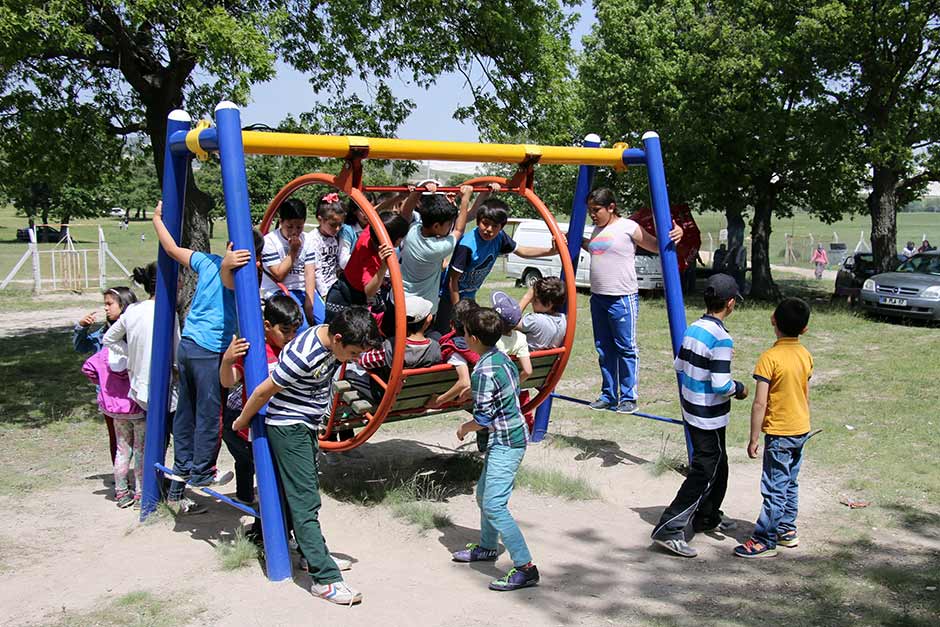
x=495 y=387
x=706 y=388
x=298 y=396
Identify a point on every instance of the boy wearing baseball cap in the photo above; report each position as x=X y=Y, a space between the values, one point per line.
x=706 y=388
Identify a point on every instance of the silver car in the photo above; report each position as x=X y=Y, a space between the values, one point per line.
x=911 y=291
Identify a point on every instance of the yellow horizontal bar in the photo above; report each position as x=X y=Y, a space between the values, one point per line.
x=261 y=143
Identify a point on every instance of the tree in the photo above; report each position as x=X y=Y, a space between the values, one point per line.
x=880 y=64
x=737 y=103
x=38 y=178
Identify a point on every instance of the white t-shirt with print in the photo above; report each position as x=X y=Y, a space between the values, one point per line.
x=613 y=258
x=322 y=251
x=275 y=249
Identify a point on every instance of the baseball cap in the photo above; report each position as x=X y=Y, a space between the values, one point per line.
x=723 y=287
x=417 y=308
x=507 y=308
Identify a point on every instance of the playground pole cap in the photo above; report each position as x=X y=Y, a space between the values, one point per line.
x=225 y=104
x=178 y=115
x=650 y=135
x=593 y=137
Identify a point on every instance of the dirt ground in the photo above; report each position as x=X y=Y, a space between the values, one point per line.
x=69 y=551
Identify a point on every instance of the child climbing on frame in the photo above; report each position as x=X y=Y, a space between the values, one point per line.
x=88 y=340
x=209 y=326
x=495 y=389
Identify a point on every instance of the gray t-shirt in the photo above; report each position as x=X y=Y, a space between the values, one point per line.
x=422 y=261
x=543 y=330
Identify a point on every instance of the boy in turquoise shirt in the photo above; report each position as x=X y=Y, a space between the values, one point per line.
x=209 y=326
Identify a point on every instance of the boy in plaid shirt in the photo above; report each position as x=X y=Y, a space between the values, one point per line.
x=495 y=389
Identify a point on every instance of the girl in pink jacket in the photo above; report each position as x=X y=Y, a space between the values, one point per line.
x=129 y=424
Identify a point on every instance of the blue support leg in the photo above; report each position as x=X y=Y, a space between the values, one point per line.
x=238 y=213
x=672 y=282
x=161 y=355
x=582 y=188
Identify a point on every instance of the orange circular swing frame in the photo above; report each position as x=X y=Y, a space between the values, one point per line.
x=346 y=182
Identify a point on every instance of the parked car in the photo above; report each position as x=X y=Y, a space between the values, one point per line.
x=911 y=291
x=852 y=273
x=44 y=233
x=116 y=212
x=535 y=233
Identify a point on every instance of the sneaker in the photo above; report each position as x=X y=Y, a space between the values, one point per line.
x=186 y=506
x=340 y=593
x=125 y=501
x=626 y=407
x=341 y=564
x=600 y=405
x=753 y=548
x=677 y=546
x=475 y=553
x=516 y=578
x=788 y=539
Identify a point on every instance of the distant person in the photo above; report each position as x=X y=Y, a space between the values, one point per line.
x=820 y=260
x=908 y=251
x=781 y=411
x=926 y=247
x=720 y=258
x=736 y=265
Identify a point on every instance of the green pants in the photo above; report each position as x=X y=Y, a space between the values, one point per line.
x=294 y=448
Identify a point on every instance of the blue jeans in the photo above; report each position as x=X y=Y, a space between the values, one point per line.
x=301 y=297
x=783 y=456
x=614 y=321
x=493 y=491
x=197 y=420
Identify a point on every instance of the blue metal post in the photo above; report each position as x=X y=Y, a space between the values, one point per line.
x=251 y=327
x=161 y=354
x=662 y=215
x=575 y=233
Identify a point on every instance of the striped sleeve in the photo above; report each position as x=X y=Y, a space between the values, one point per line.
x=271 y=254
x=483 y=388
x=720 y=366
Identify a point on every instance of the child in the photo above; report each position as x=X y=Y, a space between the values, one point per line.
x=116 y=302
x=206 y=333
x=365 y=271
x=704 y=367
x=420 y=352
x=321 y=257
x=495 y=386
x=282 y=256
x=129 y=424
x=477 y=251
x=299 y=395
x=545 y=326
x=456 y=352
x=426 y=246
x=781 y=411
x=512 y=342
x=355 y=222
x=281 y=318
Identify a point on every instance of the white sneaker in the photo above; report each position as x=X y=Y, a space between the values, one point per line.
x=341 y=564
x=186 y=506
x=340 y=593
x=221 y=478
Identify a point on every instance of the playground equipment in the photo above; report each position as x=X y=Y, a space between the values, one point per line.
x=68 y=265
x=406 y=390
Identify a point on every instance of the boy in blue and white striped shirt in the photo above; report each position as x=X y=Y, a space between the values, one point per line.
x=706 y=388
x=298 y=397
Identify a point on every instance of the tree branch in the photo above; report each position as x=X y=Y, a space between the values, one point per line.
x=927 y=176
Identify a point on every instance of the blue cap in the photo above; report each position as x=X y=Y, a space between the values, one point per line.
x=507 y=308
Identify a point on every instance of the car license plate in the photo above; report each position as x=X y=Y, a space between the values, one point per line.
x=890 y=300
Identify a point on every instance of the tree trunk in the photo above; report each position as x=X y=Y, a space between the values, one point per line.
x=883 y=208
x=198 y=204
x=64 y=231
x=735 y=224
x=762 y=282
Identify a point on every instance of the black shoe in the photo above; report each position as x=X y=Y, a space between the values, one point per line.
x=626 y=407
x=600 y=405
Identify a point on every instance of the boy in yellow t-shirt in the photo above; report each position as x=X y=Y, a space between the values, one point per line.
x=781 y=411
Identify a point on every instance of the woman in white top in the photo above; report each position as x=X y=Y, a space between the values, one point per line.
x=614 y=298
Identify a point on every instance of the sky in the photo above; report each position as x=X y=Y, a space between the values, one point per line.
x=432 y=118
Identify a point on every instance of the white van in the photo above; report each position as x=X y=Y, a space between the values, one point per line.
x=649 y=275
